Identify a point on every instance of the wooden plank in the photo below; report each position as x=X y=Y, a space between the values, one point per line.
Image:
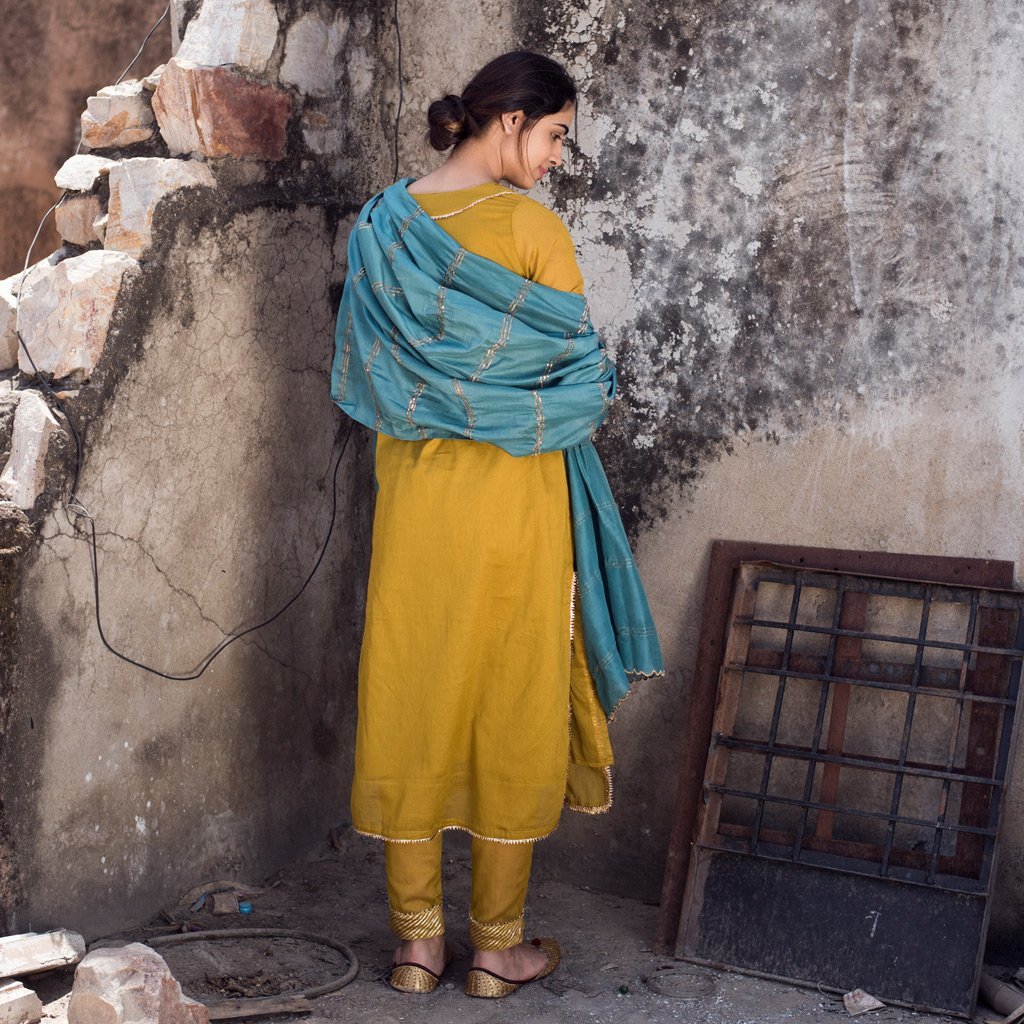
x=853 y=615
x=233 y=1009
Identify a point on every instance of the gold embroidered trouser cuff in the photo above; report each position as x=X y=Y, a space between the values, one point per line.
x=419 y=924
x=496 y=936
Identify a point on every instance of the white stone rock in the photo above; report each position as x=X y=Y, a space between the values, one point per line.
x=76 y=217
x=130 y=985
x=8 y=319
x=19 y=1005
x=66 y=310
x=22 y=482
x=239 y=32
x=136 y=188
x=80 y=173
x=118 y=115
x=177 y=24
x=152 y=80
x=99 y=225
x=31 y=952
x=310 y=51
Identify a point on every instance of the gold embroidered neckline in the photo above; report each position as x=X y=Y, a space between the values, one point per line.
x=469 y=206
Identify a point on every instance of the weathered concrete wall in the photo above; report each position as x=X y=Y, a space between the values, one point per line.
x=203 y=399
x=54 y=55
x=797 y=223
x=209 y=477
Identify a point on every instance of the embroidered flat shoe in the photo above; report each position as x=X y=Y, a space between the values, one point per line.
x=488 y=985
x=411 y=977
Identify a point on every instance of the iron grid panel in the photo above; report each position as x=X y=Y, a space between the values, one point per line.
x=864 y=727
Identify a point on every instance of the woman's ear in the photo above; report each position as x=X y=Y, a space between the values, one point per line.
x=510 y=120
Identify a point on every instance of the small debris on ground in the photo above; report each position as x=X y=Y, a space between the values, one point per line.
x=858 y=1001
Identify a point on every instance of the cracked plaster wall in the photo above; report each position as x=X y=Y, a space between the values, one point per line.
x=798 y=225
x=209 y=476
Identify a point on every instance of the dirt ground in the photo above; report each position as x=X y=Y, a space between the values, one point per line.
x=609 y=972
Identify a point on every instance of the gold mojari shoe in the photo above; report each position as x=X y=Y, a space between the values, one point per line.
x=488 y=985
x=410 y=977
x=413 y=978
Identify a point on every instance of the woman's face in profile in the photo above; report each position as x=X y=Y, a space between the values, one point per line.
x=526 y=161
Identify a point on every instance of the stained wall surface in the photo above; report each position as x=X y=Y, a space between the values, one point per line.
x=798 y=224
x=210 y=477
x=798 y=227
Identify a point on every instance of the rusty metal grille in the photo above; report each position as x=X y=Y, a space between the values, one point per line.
x=864 y=726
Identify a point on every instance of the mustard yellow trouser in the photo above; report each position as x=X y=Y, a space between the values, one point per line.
x=501 y=873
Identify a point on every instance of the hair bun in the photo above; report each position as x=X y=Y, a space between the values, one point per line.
x=447 y=120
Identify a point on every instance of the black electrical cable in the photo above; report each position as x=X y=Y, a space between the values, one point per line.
x=232 y=637
x=401 y=92
x=75 y=506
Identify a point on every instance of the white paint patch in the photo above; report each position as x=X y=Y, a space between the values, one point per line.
x=88 y=778
x=941 y=310
x=140 y=826
x=726 y=265
x=747 y=180
x=693 y=130
x=722 y=324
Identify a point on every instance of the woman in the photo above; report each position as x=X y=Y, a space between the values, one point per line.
x=464 y=341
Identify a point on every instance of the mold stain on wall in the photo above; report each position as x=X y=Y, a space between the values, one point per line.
x=776 y=212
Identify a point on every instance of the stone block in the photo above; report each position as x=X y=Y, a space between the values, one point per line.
x=242 y=33
x=118 y=115
x=21 y=482
x=19 y=1005
x=130 y=985
x=76 y=217
x=31 y=952
x=66 y=311
x=8 y=407
x=136 y=188
x=80 y=173
x=310 y=52
x=152 y=80
x=217 y=112
x=8 y=319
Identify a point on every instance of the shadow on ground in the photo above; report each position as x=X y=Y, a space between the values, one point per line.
x=609 y=971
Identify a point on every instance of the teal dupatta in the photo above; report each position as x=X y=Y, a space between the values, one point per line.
x=433 y=341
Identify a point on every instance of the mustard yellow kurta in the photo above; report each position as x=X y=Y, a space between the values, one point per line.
x=476 y=710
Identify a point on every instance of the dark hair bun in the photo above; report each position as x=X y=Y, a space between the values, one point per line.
x=447 y=120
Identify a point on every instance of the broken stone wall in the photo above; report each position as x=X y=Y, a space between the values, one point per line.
x=54 y=54
x=797 y=226
x=186 y=324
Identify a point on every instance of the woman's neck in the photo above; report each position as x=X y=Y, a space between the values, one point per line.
x=471 y=163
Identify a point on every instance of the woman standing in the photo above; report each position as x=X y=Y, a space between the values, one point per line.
x=504 y=615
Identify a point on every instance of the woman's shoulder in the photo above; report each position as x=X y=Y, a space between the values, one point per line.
x=529 y=214
x=545 y=245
